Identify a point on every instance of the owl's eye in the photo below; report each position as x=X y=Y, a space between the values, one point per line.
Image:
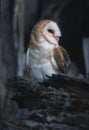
x=51 y=31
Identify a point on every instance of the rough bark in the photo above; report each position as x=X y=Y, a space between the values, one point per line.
x=61 y=102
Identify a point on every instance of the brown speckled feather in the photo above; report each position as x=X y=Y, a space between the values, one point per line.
x=37 y=33
x=37 y=30
x=60 y=59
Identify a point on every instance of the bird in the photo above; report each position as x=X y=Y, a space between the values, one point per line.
x=45 y=56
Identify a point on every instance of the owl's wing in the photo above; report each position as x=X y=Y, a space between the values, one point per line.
x=60 y=60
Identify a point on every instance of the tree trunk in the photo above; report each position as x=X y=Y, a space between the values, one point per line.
x=8 y=62
x=19 y=35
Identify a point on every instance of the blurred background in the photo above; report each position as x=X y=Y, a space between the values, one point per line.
x=17 y=18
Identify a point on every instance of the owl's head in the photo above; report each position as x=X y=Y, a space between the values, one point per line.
x=45 y=36
x=46 y=30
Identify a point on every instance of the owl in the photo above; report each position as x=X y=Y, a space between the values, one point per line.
x=45 y=56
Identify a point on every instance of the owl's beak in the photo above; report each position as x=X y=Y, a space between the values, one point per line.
x=57 y=38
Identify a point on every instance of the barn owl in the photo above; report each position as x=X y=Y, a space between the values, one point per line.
x=44 y=55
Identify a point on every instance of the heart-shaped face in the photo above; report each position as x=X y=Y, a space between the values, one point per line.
x=52 y=33
x=45 y=35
